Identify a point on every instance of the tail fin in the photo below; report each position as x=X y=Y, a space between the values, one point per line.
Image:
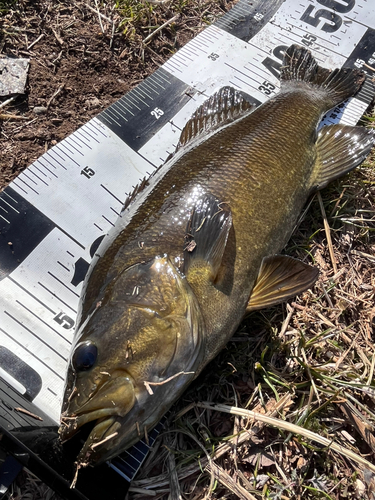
x=300 y=65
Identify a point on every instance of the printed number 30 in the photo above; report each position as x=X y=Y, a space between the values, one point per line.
x=157 y=113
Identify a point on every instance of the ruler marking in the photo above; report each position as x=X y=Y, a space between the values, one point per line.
x=70 y=253
x=110 y=192
x=37 y=176
x=50 y=390
x=105 y=218
x=241 y=73
x=132 y=103
x=151 y=78
x=81 y=131
x=63 y=284
x=32 y=354
x=32 y=189
x=6 y=220
x=113 y=115
x=140 y=88
x=19 y=187
x=27 y=177
x=62 y=265
x=57 y=297
x=96 y=225
x=122 y=105
x=115 y=211
x=160 y=74
x=140 y=98
x=147 y=83
x=63 y=145
x=44 y=322
x=97 y=126
x=72 y=137
x=118 y=110
x=8 y=204
x=35 y=335
x=174 y=65
x=54 y=159
x=5 y=210
x=31 y=295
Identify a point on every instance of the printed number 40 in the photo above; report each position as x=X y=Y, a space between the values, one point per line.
x=157 y=113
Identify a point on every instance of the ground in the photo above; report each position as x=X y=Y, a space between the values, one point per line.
x=309 y=363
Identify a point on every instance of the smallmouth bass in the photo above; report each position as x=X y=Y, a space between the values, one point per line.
x=198 y=247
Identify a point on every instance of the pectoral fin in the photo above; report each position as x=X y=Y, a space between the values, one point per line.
x=280 y=278
x=206 y=235
x=340 y=148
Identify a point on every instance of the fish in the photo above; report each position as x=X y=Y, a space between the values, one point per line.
x=198 y=247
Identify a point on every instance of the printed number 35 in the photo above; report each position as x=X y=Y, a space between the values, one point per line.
x=267 y=87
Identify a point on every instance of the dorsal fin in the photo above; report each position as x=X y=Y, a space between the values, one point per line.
x=138 y=188
x=221 y=108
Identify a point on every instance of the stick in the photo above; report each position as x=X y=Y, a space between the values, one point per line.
x=8 y=101
x=287 y=426
x=328 y=233
x=160 y=28
x=35 y=41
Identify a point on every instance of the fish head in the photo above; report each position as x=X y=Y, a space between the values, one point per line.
x=131 y=358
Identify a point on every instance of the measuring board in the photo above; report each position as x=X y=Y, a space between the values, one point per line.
x=54 y=214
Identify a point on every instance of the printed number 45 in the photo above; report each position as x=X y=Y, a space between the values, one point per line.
x=157 y=113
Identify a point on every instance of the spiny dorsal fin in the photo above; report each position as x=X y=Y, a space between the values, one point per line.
x=300 y=66
x=220 y=109
x=280 y=278
x=207 y=234
x=138 y=188
x=340 y=148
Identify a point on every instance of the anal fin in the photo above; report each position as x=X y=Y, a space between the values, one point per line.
x=340 y=148
x=280 y=278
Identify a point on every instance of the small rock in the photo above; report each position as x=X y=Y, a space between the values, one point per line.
x=92 y=103
x=40 y=110
x=360 y=489
x=57 y=121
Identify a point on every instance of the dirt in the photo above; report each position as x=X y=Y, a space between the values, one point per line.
x=77 y=69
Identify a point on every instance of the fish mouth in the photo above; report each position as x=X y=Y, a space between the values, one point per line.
x=96 y=415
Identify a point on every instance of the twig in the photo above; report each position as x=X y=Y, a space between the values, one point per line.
x=287 y=426
x=4 y=116
x=35 y=41
x=328 y=233
x=8 y=101
x=26 y=412
x=225 y=479
x=161 y=27
x=55 y=95
x=58 y=38
x=148 y=384
x=99 y=13
x=100 y=19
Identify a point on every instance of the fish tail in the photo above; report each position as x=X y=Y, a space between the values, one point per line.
x=299 y=65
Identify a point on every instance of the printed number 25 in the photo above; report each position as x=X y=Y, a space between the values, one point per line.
x=157 y=113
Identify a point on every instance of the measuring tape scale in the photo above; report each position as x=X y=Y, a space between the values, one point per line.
x=55 y=213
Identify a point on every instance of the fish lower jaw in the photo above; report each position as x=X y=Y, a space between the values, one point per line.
x=70 y=425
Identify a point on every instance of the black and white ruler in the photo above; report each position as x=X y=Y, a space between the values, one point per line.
x=55 y=213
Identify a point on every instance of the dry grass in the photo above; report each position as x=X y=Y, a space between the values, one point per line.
x=308 y=364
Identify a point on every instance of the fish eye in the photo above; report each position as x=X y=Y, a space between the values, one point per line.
x=84 y=356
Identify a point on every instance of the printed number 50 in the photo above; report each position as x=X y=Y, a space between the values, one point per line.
x=157 y=113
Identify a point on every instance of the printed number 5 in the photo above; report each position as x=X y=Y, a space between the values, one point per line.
x=157 y=112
